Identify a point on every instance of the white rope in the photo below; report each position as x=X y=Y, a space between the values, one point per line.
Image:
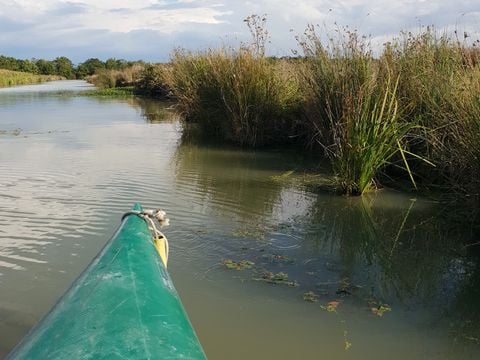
x=149 y=216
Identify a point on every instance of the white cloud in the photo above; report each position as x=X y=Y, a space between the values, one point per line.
x=149 y=28
x=116 y=16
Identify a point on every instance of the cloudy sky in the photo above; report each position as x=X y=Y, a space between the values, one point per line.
x=149 y=29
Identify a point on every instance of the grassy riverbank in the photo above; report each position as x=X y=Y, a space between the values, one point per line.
x=12 y=78
x=411 y=112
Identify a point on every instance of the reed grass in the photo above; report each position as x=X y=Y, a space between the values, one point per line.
x=409 y=112
x=352 y=109
x=236 y=95
x=112 y=78
x=152 y=81
x=13 y=78
x=439 y=89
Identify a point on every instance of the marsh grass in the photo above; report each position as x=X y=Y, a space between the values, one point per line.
x=367 y=139
x=409 y=112
x=352 y=109
x=236 y=95
x=439 y=89
x=152 y=81
x=113 y=78
x=13 y=78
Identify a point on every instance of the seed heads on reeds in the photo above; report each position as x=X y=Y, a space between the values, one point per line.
x=413 y=107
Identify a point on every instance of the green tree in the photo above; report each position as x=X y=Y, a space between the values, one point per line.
x=46 y=67
x=27 y=66
x=9 y=63
x=64 y=67
x=89 y=67
x=116 y=64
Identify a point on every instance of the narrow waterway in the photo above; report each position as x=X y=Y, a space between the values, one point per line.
x=389 y=272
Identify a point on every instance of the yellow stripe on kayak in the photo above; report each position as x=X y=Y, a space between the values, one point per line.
x=161 y=249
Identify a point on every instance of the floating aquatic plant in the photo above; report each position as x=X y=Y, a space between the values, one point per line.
x=380 y=310
x=280 y=278
x=255 y=232
x=310 y=296
x=237 y=265
x=275 y=258
x=347 y=343
x=331 y=306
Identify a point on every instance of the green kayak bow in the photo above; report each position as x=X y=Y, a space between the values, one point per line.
x=123 y=306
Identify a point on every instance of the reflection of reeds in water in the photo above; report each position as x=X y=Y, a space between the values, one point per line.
x=389 y=248
x=464 y=309
x=407 y=252
x=155 y=111
x=231 y=180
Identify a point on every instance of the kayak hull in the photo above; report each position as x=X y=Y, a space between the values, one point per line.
x=123 y=306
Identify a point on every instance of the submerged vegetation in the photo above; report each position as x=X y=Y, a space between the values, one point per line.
x=107 y=92
x=365 y=254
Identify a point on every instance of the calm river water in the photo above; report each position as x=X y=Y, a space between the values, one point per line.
x=70 y=166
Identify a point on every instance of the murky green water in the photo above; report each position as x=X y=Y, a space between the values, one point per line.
x=71 y=165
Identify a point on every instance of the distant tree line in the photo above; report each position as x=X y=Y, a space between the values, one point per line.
x=63 y=66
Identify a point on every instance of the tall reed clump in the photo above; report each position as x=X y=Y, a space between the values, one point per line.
x=152 y=81
x=352 y=110
x=237 y=95
x=111 y=78
x=439 y=89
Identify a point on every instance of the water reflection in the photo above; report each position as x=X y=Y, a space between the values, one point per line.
x=395 y=250
x=240 y=181
x=463 y=315
x=155 y=111
x=77 y=164
x=385 y=248
x=47 y=88
x=403 y=249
